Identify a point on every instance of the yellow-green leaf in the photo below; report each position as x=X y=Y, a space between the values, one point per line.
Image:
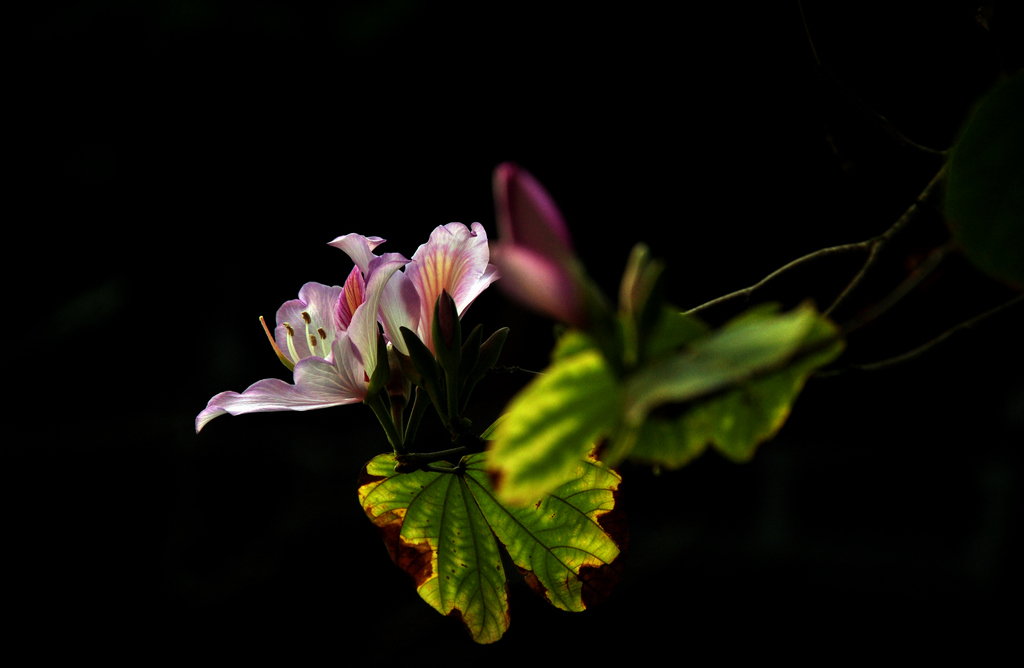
x=555 y=421
x=440 y=528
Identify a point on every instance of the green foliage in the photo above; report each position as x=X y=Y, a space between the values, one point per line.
x=738 y=420
x=442 y=528
x=732 y=387
x=556 y=420
x=744 y=347
x=985 y=184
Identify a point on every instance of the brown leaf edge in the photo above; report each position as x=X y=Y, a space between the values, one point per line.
x=415 y=560
x=598 y=581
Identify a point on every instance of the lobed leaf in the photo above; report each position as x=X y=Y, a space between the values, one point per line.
x=568 y=543
x=440 y=528
x=434 y=531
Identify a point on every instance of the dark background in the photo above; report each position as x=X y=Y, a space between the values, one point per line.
x=180 y=165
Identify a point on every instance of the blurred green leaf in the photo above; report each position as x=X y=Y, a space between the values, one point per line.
x=754 y=341
x=673 y=330
x=440 y=528
x=737 y=421
x=985 y=184
x=555 y=420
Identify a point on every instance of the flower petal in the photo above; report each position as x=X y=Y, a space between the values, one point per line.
x=399 y=307
x=359 y=248
x=455 y=258
x=527 y=215
x=540 y=283
x=353 y=294
x=318 y=384
x=363 y=327
x=318 y=303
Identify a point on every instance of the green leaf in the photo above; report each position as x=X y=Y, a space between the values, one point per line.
x=673 y=330
x=752 y=342
x=426 y=372
x=486 y=358
x=736 y=421
x=440 y=529
x=984 y=202
x=555 y=420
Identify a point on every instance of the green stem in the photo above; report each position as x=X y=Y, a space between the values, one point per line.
x=417 y=460
x=444 y=469
x=376 y=404
x=452 y=386
x=420 y=403
x=398 y=404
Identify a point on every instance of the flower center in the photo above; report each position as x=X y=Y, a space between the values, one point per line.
x=315 y=339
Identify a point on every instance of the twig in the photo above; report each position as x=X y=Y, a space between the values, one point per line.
x=872 y=246
x=923 y=348
x=879 y=120
x=414 y=461
x=879 y=242
x=513 y=369
x=902 y=290
x=746 y=293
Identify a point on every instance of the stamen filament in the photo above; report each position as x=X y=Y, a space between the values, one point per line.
x=280 y=355
x=291 y=342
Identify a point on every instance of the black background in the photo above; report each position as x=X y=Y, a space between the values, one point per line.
x=180 y=165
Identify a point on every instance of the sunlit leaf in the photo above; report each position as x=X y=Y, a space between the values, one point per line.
x=736 y=421
x=440 y=528
x=674 y=330
x=435 y=532
x=555 y=421
x=567 y=543
x=985 y=183
x=752 y=342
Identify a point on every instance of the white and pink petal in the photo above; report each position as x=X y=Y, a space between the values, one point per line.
x=305 y=326
x=454 y=259
x=317 y=385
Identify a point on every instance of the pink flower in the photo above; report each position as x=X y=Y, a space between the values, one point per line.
x=455 y=258
x=535 y=253
x=329 y=335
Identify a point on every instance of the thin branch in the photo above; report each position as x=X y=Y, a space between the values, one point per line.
x=420 y=403
x=879 y=120
x=513 y=369
x=414 y=461
x=923 y=348
x=879 y=242
x=902 y=290
x=746 y=293
x=376 y=403
x=872 y=246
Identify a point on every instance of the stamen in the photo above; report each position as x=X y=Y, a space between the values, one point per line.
x=280 y=355
x=323 y=334
x=291 y=342
x=309 y=337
